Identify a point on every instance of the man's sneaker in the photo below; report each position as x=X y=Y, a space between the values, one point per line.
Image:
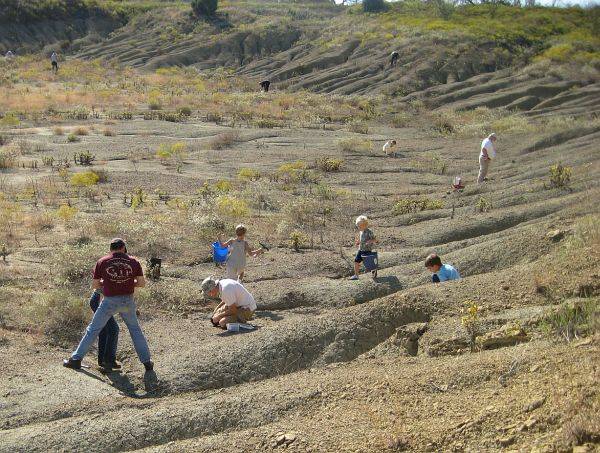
x=149 y=365
x=72 y=363
x=354 y=277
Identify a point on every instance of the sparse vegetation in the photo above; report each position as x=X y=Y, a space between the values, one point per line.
x=329 y=164
x=72 y=138
x=575 y=319
x=560 y=176
x=249 y=174
x=411 y=205
x=61 y=316
x=483 y=205
x=223 y=141
x=471 y=322
x=355 y=145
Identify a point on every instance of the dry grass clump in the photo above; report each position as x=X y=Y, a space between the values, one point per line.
x=108 y=132
x=58 y=130
x=73 y=264
x=358 y=127
x=81 y=131
x=223 y=141
x=9 y=156
x=354 y=145
x=61 y=316
x=169 y=294
x=411 y=205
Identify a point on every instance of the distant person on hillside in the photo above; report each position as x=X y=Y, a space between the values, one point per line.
x=237 y=304
x=117 y=274
x=389 y=149
x=394 y=58
x=488 y=152
x=9 y=55
x=54 y=61
x=440 y=272
x=108 y=338
x=238 y=250
x=365 y=242
x=265 y=84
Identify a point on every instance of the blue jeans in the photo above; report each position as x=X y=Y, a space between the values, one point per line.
x=108 y=338
x=125 y=306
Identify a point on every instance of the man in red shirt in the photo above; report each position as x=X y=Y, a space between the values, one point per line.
x=117 y=274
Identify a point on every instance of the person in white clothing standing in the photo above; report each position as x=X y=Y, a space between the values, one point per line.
x=488 y=152
x=237 y=304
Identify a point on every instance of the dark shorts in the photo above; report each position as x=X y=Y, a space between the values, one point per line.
x=54 y=64
x=360 y=254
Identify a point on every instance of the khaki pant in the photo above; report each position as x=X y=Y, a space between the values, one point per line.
x=484 y=166
x=224 y=312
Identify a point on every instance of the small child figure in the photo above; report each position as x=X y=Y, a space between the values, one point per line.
x=389 y=149
x=441 y=272
x=238 y=249
x=366 y=241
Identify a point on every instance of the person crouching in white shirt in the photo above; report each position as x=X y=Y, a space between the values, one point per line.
x=389 y=149
x=237 y=304
x=488 y=152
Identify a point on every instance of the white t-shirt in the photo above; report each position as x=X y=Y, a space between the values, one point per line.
x=234 y=293
x=54 y=58
x=489 y=146
x=387 y=148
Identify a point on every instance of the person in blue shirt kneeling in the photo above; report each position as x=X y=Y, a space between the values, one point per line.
x=441 y=272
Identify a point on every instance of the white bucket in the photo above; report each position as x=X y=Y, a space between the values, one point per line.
x=233 y=326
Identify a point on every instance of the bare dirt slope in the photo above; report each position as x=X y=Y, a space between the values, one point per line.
x=336 y=365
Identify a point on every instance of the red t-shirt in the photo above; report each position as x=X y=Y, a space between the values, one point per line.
x=117 y=272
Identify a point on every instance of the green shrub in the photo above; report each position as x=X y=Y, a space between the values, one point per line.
x=232 y=206
x=410 y=205
x=560 y=176
x=249 y=173
x=329 y=164
x=297 y=240
x=483 y=205
x=85 y=179
x=205 y=7
x=66 y=212
x=223 y=186
x=72 y=138
x=374 y=6
x=10 y=120
x=176 y=151
x=184 y=111
x=574 y=319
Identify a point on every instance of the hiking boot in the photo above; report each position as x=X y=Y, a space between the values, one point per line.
x=149 y=365
x=72 y=363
